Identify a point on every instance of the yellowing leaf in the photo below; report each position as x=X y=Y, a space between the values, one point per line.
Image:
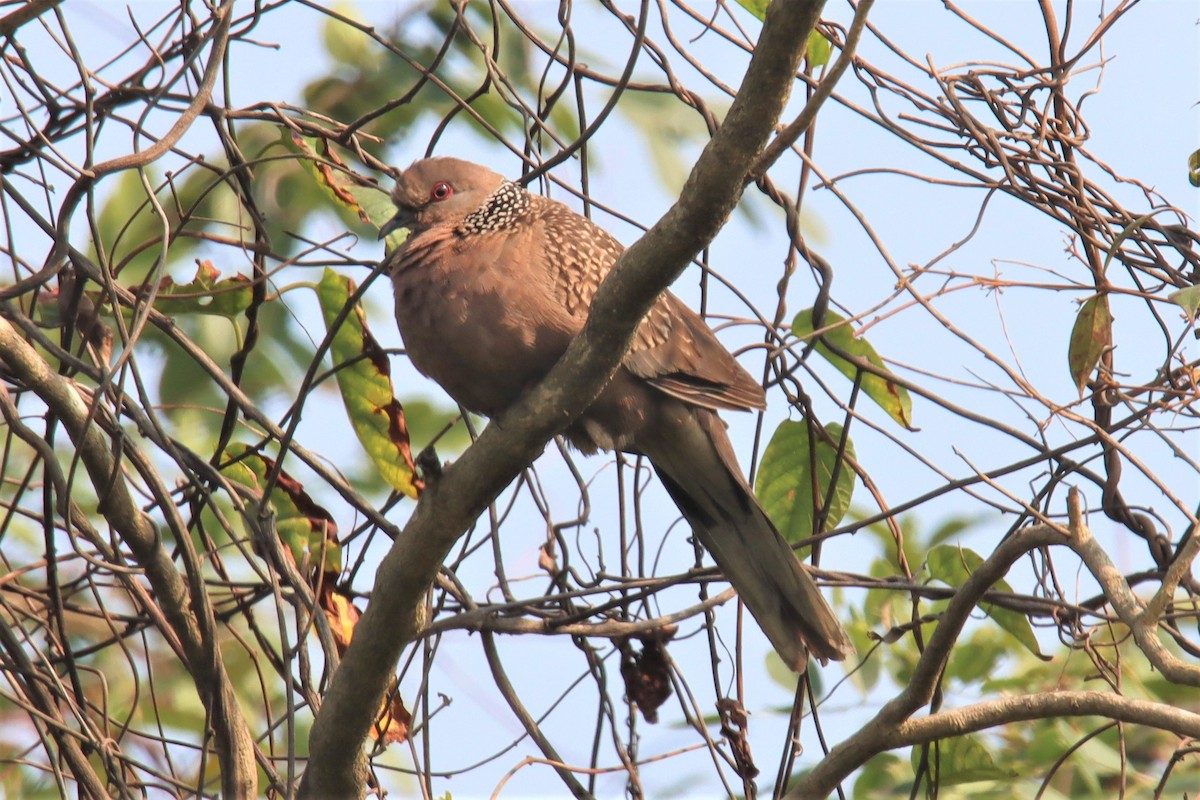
x=302 y=525
x=887 y=394
x=371 y=204
x=393 y=721
x=819 y=49
x=342 y=615
x=365 y=380
x=794 y=479
x=1090 y=337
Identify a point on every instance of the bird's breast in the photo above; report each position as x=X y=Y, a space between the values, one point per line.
x=475 y=326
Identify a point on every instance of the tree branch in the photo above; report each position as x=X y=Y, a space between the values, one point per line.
x=892 y=728
x=235 y=746
x=855 y=751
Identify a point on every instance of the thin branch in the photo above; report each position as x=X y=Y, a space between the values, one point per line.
x=204 y=662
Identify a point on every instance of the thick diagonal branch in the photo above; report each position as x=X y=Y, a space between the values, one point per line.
x=337 y=765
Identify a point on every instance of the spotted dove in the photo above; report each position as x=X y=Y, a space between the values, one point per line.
x=492 y=284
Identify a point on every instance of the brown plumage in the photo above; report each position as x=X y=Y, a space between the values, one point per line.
x=492 y=285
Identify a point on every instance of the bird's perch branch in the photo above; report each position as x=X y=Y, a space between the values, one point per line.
x=337 y=762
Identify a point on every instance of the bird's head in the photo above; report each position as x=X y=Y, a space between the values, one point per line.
x=439 y=191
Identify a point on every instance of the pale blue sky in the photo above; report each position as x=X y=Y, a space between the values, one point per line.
x=1143 y=123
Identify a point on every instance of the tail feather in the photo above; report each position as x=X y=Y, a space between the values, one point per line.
x=699 y=470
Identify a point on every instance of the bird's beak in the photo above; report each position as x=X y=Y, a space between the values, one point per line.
x=404 y=218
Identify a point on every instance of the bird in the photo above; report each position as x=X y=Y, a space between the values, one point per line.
x=493 y=282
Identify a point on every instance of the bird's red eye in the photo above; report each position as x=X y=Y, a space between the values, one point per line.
x=440 y=191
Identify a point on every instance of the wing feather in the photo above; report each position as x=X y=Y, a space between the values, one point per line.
x=673 y=349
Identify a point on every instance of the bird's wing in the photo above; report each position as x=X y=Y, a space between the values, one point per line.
x=673 y=350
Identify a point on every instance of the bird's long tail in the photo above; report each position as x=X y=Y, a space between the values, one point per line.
x=697 y=465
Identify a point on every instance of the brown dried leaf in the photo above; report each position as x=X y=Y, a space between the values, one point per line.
x=546 y=560
x=647 y=675
x=734 y=724
x=394 y=722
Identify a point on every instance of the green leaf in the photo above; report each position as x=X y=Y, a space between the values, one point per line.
x=867 y=674
x=951 y=527
x=819 y=49
x=1194 y=168
x=790 y=489
x=953 y=565
x=979 y=656
x=207 y=293
x=756 y=7
x=963 y=759
x=364 y=377
x=781 y=673
x=1188 y=299
x=302 y=525
x=1126 y=232
x=884 y=775
x=887 y=394
x=678 y=134
x=345 y=43
x=127 y=225
x=376 y=205
x=1090 y=337
x=427 y=420
x=818 y=46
